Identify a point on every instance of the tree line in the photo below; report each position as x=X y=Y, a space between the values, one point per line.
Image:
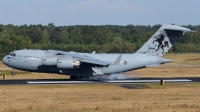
x=88 y=38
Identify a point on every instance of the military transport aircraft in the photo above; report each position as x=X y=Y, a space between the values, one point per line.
x=91 y=64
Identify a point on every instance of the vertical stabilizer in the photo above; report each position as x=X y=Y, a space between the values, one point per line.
x=163 y=40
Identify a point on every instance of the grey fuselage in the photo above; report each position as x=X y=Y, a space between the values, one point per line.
x=31 y=60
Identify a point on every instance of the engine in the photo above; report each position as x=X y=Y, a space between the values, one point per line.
x=49 y=61
x=68 y=64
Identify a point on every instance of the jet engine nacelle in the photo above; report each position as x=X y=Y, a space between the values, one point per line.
x=68 y=64
x=49 y=61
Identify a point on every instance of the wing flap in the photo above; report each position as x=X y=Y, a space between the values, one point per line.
x=95 y=62
x=86 y=59
x=91 y=60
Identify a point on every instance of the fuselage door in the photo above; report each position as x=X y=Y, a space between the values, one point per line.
x=25 y=64
x=9 y=59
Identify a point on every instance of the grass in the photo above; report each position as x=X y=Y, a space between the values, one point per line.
x=184 y=58
x=167 y=70
x=172 y=97
x=105 y=97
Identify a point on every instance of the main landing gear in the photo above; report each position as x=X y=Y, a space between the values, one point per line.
x=72 y=77
x=13 y=72
x=75 y=77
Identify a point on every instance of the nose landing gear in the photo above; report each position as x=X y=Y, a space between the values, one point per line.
x=13 y=72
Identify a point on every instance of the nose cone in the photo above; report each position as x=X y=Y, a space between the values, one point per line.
x=4 y=60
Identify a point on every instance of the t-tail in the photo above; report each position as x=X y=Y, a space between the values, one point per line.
x=163 y=40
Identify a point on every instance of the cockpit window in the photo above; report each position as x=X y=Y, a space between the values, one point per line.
x=12 y=54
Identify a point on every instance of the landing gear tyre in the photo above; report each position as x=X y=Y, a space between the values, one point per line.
x=12 y=73
x=83 y=78
x=72 y=77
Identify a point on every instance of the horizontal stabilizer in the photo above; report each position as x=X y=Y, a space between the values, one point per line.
x=152 y=65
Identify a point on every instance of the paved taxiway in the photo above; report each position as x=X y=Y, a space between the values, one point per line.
x=94 y=81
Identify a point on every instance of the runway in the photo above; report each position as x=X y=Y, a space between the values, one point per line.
x=90 y=81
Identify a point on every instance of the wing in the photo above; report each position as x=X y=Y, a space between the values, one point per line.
x=87 y=59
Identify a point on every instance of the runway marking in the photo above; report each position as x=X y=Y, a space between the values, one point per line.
x=58 y=82
x=129 y=81
x=110 y=81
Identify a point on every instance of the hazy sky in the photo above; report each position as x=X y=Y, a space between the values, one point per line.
x=100 y=12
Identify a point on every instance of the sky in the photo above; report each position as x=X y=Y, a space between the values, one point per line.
x=100 y=12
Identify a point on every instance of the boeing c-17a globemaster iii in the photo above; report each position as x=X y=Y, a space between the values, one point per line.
x=91 y=64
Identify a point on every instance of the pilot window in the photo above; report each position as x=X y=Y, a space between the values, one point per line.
x=12 y=54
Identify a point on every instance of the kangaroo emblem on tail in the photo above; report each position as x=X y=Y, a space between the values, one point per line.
x=160 y=38
x=163 y=40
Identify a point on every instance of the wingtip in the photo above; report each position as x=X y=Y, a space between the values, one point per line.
x=117 y=61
